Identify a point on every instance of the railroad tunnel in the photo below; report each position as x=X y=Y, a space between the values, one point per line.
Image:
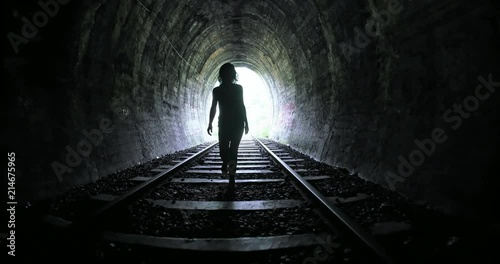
x=400 y=93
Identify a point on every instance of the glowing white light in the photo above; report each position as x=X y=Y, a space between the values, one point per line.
x=257 y=101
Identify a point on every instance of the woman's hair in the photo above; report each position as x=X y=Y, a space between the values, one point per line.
x=227 y=73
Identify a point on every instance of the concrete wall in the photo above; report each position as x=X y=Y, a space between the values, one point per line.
x=376 y=89
x=108 y=71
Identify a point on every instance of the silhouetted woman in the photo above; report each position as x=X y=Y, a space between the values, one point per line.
x=232 y=118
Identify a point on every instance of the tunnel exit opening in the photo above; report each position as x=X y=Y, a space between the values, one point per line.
x=258 y=103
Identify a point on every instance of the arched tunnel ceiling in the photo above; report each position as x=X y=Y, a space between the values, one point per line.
x=255 y=34
x=240 y=31
x=202 y=35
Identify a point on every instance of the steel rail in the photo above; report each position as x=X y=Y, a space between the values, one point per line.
x=349 y=223
x=100 y=216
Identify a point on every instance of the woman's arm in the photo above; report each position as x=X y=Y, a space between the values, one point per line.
x=213 y=109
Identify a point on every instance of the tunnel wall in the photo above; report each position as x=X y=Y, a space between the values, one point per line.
x=99 y=90
x=371 y=96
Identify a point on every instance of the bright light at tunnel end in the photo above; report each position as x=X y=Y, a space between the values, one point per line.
x=257 y=99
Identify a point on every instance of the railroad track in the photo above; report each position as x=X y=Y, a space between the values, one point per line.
x=273 y=214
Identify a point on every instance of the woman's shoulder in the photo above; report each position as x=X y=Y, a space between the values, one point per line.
x=220 y=87
x=215 y=92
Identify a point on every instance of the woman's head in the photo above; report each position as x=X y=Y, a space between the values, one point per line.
x=227 y=73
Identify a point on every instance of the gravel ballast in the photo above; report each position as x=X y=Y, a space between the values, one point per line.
x=146 y=218
x=218 y=192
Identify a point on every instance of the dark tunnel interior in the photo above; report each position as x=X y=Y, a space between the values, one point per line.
x=400 y=93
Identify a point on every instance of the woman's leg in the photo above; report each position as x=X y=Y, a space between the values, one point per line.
x=235 y=143
x=224 y=149
x=233 y=150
